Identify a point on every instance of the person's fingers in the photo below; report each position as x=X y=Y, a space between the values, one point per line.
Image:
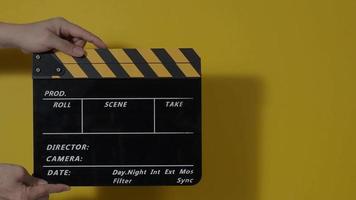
x=79 y=42
x=25 y=51
x=42 y=191
x=70 y=29
x=40 y=181
x=29 y=180
x=65 y=46
x=44 y=198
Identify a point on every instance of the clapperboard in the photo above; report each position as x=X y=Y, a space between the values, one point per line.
x=118 y=117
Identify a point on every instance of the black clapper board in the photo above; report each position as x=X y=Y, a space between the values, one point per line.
x=118 y=117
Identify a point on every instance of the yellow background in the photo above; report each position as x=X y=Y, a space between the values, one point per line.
x=278 y=90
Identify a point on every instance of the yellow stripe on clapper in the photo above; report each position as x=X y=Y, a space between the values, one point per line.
x=76 y=71
x=71 y=65
x=177 y=55
x=183 y=63
x=93 y=56
x=188 y=70
x=149 y=56
x=126 y=62
x=64 y=58
x=154 y=63
x=99 y=64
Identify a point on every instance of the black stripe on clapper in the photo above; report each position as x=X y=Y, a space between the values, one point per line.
x=168 y=62
x=193 y=58
x=67 y=74
x=141 y=63
x=112 y=63
x=87 y=67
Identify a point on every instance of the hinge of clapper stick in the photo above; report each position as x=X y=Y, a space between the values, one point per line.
x=119 y=63
x=44 y=65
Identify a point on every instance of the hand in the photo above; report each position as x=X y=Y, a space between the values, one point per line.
x=56 y=33
x=17 y=184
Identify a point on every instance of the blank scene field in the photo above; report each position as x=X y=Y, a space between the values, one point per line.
x=118 y=115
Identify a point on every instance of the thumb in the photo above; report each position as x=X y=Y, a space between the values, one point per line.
x=39 y=191
x=29 y=180
x=65 y=46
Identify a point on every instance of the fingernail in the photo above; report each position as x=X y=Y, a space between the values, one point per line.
x=42 y=182
x=67 y=188
x=78 y=51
